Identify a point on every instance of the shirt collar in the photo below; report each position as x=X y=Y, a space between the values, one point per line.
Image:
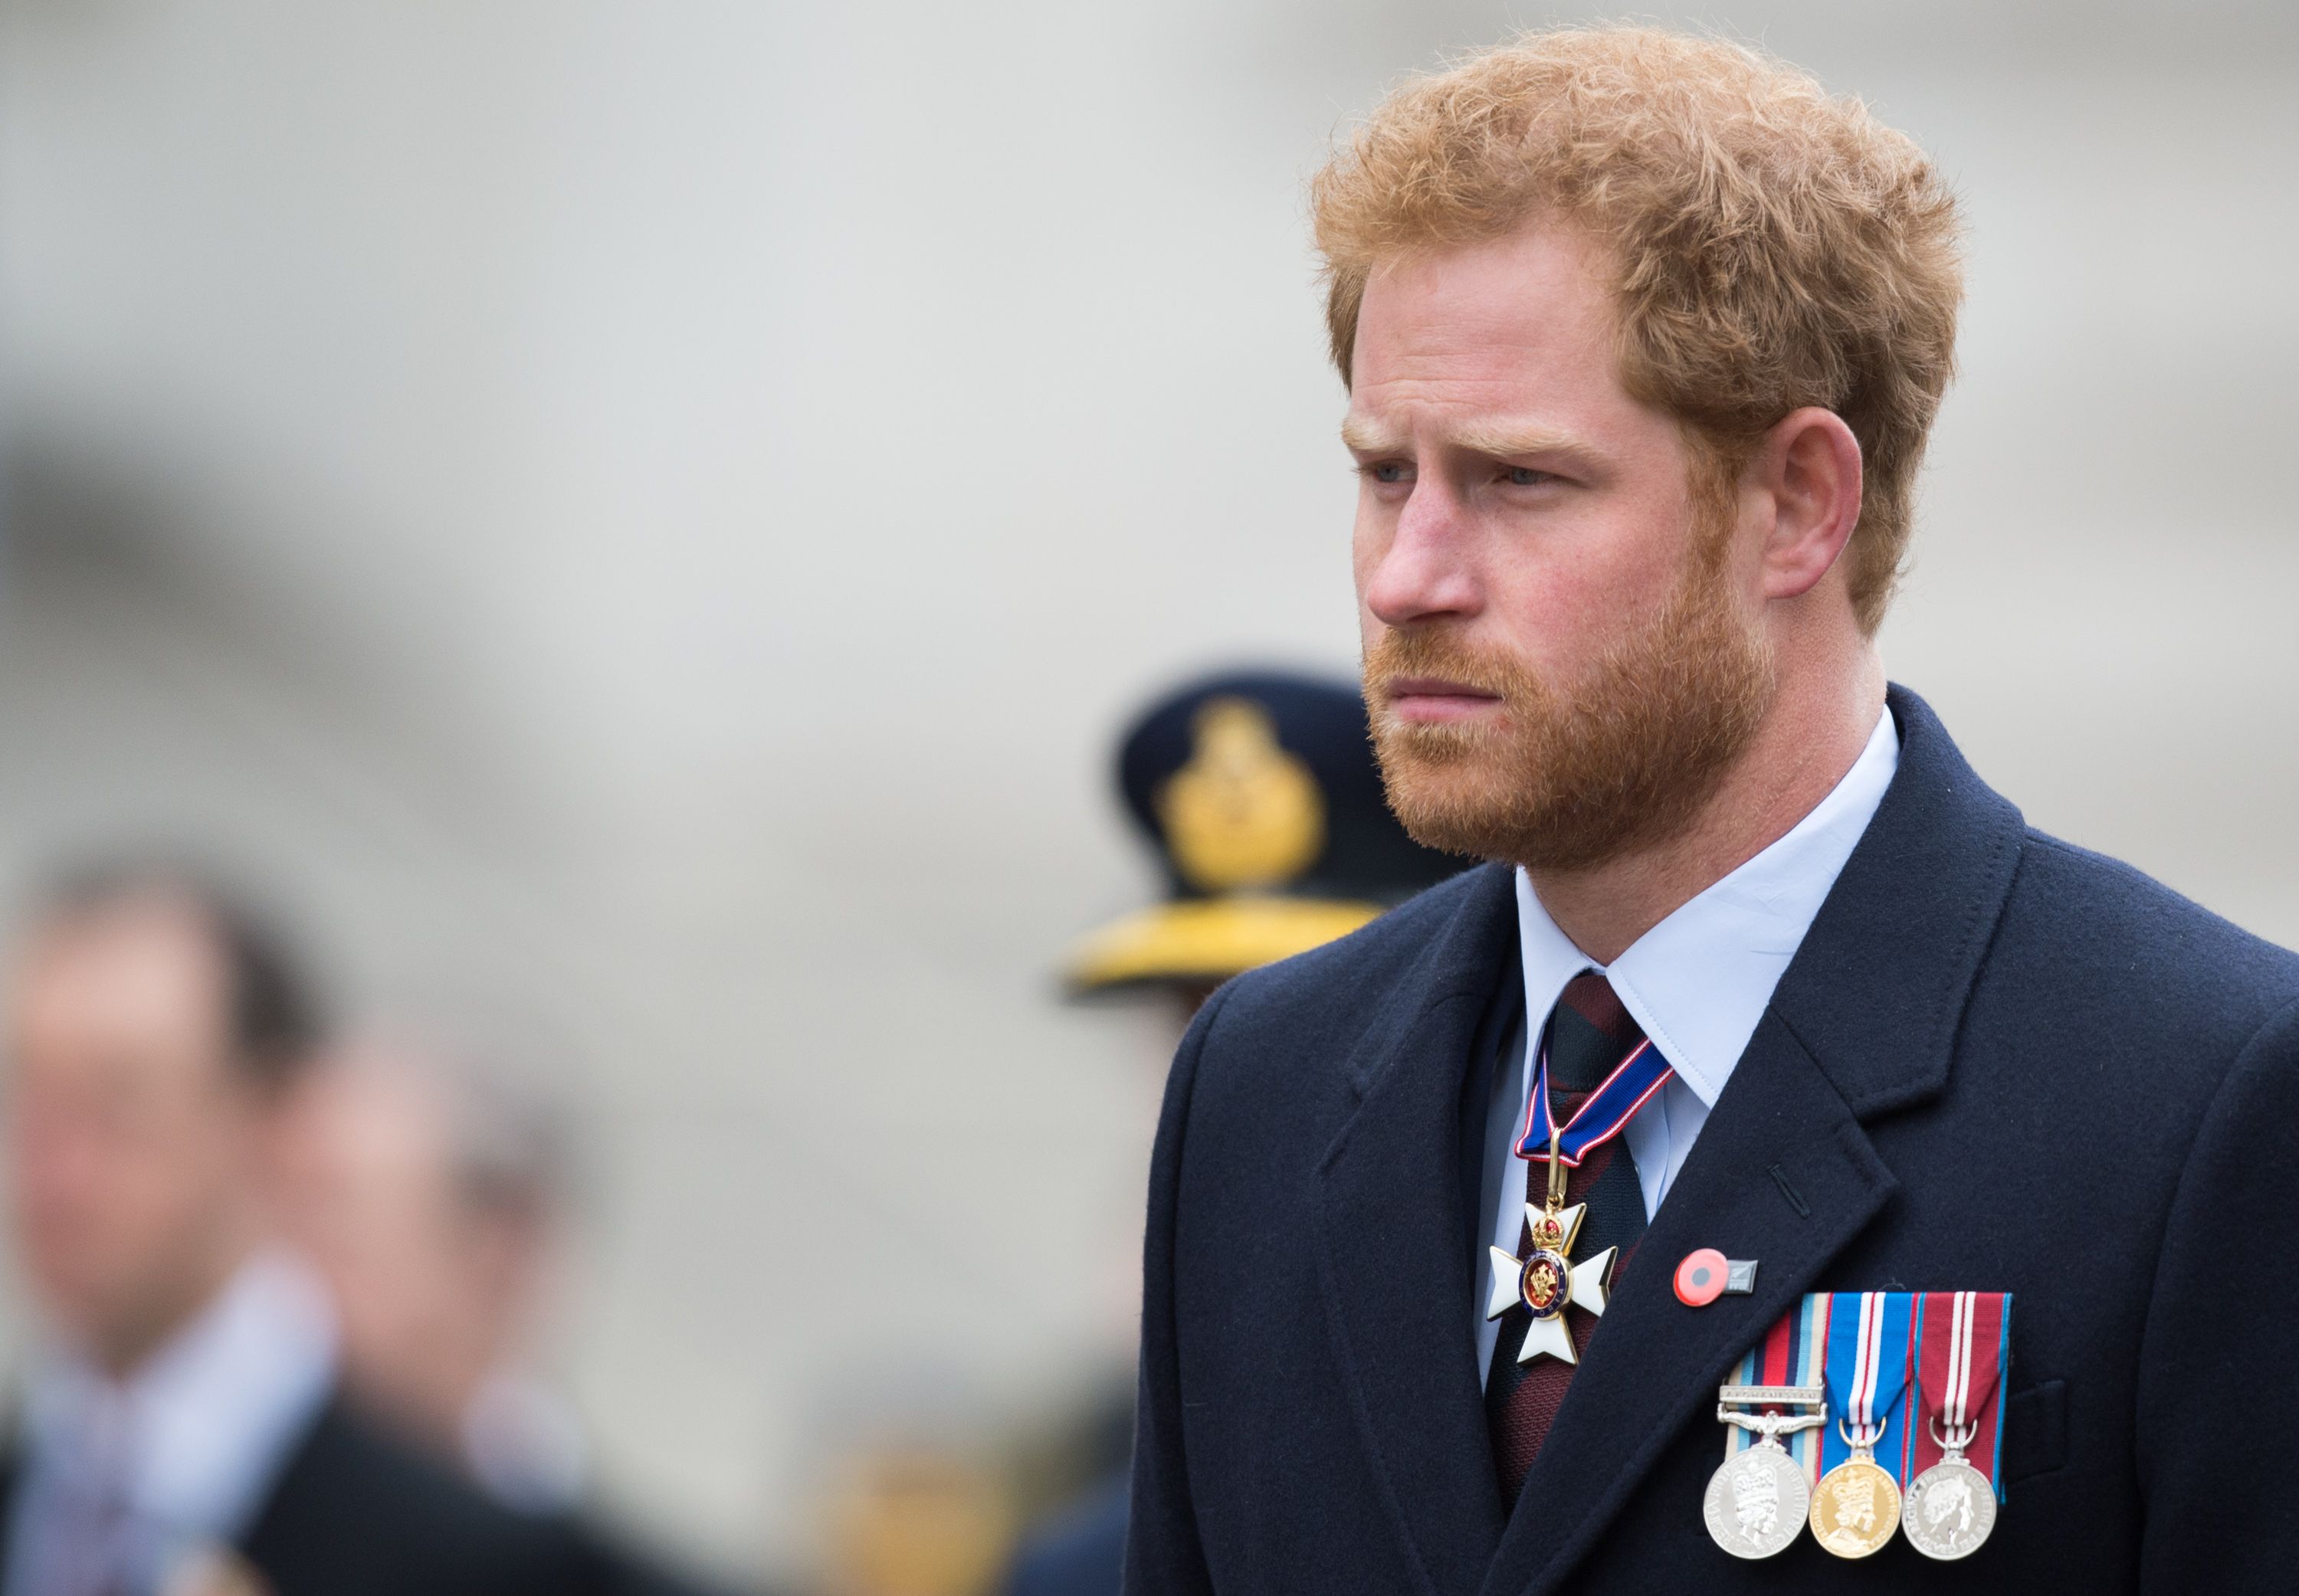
x=196 y=1435
x=1698 y=981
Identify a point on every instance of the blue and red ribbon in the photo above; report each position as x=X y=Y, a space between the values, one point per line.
x=1791 y=1354
x=1601 y=1114
x=1872 y=1338
x=1921 y=1347
x=1964 y=1344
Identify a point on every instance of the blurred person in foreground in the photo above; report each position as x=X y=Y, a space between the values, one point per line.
x=1258 y=791
x=183 y=1429
x=430 y=1183
x=1643 y=335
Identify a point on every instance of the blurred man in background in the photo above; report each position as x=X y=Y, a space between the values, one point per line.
x=186 y=1414
x=430 y=1183
x=1259 y=792
x=430 y=1193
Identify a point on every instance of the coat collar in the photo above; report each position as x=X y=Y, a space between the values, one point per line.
x=1862 y=1023
x=1879 y=988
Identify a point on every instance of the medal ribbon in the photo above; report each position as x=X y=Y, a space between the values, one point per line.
x=1963 y=1341
x=1871 y=1345
x=1602 y=1113
x=1790 y=1355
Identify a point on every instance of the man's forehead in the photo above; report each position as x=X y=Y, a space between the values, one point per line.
x=1480 y=356
x=1534 y=278
x=156 y=935
x=1494 y=324
x=1501 y=387
x=122 y=972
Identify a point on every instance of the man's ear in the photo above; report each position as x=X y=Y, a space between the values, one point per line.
x=1809 y=466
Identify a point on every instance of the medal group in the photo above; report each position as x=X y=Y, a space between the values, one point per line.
x=1864 y=1414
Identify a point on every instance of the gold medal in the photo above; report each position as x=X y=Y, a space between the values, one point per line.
x=1856 y=1505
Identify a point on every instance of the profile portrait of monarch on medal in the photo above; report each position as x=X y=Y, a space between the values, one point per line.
x=1950 y=1507
x=1641 y=337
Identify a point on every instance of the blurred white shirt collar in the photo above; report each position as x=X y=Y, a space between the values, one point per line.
x=195 y=1438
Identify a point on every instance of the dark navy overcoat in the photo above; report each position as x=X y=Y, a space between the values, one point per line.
x=1997 y=1062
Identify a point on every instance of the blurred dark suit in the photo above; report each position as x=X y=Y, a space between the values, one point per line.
x=355 y=1513
x=612 y=1567
x=360 y=1510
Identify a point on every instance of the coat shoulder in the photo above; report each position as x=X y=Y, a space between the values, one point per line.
x=2150 y=961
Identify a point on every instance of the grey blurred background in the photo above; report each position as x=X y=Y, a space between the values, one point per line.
x=656 y=511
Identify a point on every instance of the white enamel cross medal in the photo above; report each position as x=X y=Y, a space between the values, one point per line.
x=1545 y=1281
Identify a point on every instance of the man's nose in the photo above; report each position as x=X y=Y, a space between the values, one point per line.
x=1426 y=572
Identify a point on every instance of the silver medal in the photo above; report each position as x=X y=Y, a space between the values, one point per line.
x=1951 y=1507
x=1756 y=1501
x=1950 y=1510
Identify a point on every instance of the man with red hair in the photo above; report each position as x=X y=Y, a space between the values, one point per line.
x=1643 y=335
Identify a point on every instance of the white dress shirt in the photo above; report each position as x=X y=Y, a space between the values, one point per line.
x=1697 y=983
x=183 y=1453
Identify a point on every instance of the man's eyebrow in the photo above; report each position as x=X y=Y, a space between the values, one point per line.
x=1497 y=440
x=1502 y=441
x=1361 y=435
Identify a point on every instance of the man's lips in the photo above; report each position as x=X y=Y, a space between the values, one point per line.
x=1436 y=699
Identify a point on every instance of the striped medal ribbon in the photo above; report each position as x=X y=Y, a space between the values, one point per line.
x=1961 y=1337
x=1602 y=1113
x=1772 y=1407
x=1790 y=1355
x=1856 y=1507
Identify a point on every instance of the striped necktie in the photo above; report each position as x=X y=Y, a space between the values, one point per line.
x=1588 y=1034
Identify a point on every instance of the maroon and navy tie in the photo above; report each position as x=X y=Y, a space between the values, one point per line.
x=1588 y=1034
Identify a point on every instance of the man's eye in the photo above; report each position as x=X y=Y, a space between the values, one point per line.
x=1525 y=477
x=1391 y=472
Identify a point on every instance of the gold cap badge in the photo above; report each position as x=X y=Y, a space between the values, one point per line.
x=1243 y=813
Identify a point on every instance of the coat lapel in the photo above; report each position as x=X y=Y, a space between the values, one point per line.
x=1393 y=1261
x=1863 y=1024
